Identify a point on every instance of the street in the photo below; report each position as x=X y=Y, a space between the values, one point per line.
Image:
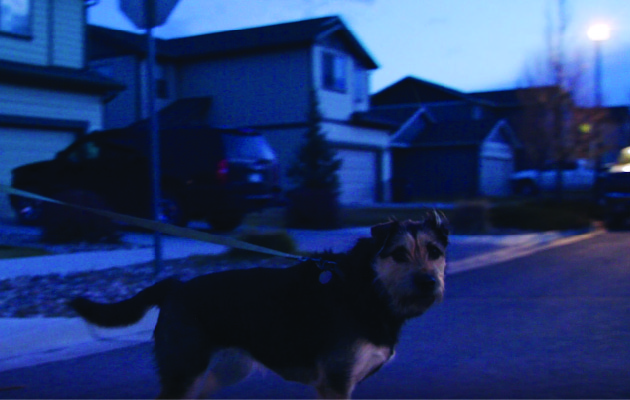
x=554 y=324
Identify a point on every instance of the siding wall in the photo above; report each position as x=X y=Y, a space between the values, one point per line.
x=57 y=36
x=42 y=103
x=334 y=104
x=124 y=109
x=251 y=90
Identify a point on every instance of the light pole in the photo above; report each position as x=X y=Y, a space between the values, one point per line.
x=598 y=33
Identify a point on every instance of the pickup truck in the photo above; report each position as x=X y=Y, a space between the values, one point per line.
x=577 y=175
x=617 y=192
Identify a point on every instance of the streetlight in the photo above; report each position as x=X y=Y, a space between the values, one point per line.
x=598 y=33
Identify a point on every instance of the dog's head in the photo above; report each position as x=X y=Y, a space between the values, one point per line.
x=411 y=262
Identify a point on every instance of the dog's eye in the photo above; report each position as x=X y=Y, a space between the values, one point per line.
x=434 y=252
x=400 y=254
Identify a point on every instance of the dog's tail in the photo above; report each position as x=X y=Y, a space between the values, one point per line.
x=126 y=312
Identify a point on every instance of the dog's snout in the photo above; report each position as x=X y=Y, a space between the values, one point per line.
x=424 y=282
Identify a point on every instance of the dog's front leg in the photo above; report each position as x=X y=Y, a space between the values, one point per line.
x=326 y=392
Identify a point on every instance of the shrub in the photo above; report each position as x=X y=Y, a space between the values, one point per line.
x=539 y=216
x=276 y=240
x=469 y=218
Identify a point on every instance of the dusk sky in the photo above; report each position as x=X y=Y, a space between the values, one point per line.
x=468 y=45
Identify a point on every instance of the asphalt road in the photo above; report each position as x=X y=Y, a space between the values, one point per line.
x=551 y=325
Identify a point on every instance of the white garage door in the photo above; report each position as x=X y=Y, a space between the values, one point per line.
x=23 y=146
x=358 y=176
x=497 y=164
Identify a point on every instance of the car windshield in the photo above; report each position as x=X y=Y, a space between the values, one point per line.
x=247 y=147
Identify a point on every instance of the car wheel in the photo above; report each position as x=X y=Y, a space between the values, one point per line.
x=62 y=224
x=226 y=223
x=29 y=211
x=526 y=188
x=171 y=211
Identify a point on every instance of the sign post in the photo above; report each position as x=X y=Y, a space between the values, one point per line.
x=147 y=14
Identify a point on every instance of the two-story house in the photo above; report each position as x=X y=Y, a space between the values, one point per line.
x=47 y=96
x=260 y=78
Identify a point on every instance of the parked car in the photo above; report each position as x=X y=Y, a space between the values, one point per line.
x=616 y=189
x=207 y=173
x=577 y=175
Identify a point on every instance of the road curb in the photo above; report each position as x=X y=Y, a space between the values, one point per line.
x=512 y=253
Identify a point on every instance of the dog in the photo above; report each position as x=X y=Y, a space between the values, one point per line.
x=213 y=329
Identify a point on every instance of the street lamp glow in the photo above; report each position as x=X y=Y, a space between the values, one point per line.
x=599 y=32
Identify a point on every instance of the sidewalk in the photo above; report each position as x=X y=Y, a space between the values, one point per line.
x=28 y=342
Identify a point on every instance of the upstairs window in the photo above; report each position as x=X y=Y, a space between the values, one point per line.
x=334 y=72
x=15 y=17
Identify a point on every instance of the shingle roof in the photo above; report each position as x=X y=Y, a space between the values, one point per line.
x=455 y=133
x=279 y=36
x=516 y=97
x=411 y=90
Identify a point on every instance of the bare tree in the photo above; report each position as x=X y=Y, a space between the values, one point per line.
x=554 y=83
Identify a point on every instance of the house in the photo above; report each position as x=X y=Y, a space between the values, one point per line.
x=261 y=78
x=447 y=144
x=593 y=132
x=47 y=96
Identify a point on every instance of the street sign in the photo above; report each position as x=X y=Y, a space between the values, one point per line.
x=136 y=11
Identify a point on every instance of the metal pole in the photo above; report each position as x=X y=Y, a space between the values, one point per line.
x=154 y=131
x=598 y=73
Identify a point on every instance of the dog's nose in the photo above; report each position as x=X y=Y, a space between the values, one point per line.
x=424 y=282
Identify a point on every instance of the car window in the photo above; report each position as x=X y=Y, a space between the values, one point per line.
x=86 y=151
x=247 y=147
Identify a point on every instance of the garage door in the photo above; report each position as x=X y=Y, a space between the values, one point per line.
x=497 y=165
x=358 y=176
x=23 y=146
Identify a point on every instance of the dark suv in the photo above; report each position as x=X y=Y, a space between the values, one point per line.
x=207 y=173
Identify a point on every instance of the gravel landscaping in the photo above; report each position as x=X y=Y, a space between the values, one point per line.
x=47 y=295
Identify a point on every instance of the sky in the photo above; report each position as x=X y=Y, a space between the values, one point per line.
x=467 y=45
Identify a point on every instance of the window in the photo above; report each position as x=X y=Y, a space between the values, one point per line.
x=334 y=72
x=15 y=17
x=360 y=86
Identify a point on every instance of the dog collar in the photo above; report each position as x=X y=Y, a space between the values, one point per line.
x=328 y=268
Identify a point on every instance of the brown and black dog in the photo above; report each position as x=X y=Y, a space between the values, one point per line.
x=212 y=329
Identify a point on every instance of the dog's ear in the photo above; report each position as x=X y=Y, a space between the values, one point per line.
x=382 y=231
x=438 y=222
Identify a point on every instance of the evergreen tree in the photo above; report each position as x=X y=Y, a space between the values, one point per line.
x=317 y=164
x=314 y=199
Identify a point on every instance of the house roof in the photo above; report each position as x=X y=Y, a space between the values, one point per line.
x=460 y=133
x=67 y=79
x=390 y=116
x=107 y=42
x=517 y=97
x=411 y=90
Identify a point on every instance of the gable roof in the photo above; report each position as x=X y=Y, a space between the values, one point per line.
x=105 y=42
x=411 y=90
x=459 y=133
x=517 y=97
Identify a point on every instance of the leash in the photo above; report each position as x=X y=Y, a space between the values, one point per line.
x=327 y=267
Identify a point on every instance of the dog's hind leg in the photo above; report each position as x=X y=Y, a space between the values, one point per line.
x=182 y=353
x=227 y=367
